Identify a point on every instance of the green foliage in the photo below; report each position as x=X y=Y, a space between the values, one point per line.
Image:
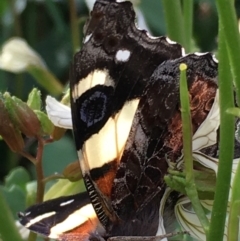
x=14 y=189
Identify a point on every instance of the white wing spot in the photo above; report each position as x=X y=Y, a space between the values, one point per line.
x=151 y=37
x=123 y=55
x=170 y=41
x=200 y=54
x=214 y=58
x=183 y=52
x=67 y=202
x=87 y=38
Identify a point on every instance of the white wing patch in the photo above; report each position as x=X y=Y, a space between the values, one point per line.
x=109 y=143
x=72 y=221
x=96 y=77
x=39 y=218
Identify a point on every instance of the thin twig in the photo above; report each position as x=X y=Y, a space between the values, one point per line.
x=39 y=170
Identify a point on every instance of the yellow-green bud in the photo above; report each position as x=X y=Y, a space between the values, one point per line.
x=47 y=126
x=73 y=172
x=58 y=133
x=34 y=99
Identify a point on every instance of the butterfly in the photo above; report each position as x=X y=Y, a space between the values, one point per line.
x=124 y=87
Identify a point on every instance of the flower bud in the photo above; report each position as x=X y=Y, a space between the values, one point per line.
x=9 y=133
x=34 y=99
x=47 y=126
x=22 y=116
x=72 y=171
x=17 y=56
x=57 y=133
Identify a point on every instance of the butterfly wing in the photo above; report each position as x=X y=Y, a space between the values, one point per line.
x=124 y=123
x=156 y=134
x=108 y=78
x=62 y=218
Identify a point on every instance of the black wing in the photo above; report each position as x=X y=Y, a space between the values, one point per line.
x=108 y=78
x=64 y=218
x=156 y=136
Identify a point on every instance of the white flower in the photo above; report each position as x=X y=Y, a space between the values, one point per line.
x=59 y=114
x=205 y=136
x=16 y=56
x=24 y=232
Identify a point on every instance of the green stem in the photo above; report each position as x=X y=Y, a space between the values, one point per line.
x=40 y=182
x=174 y=20
x=188 y=23
x=8 y=229
x=233 y=222
x=74 y=26
x=32 y=236
x=56 y=16
x=229 y=26
x=16 y=17
x=226 y=147
x=187 y=150
x=39 y=170
x=53 y=177
x=46 y=79
x=186 y=124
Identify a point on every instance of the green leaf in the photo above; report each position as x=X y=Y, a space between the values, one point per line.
x=63 y=187
x=153 y=14
x=31 y=188
x=15 y=198
x=18 y=176
x=14 y=190
x=46 y=79
x=8 y=229
x=58 y=155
